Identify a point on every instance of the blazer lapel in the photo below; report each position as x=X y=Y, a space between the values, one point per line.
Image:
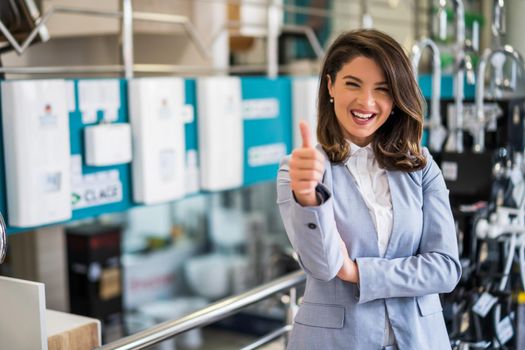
x=393 y=184
x=367 y=226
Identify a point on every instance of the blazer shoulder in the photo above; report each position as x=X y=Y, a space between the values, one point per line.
x=421 y=176
x=431 y=176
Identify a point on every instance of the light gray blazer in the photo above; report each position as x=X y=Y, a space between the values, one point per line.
x=421 y=261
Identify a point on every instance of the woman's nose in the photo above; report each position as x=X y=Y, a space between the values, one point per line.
x=366 y=98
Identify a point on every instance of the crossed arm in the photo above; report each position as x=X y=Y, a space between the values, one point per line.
x=323 y=254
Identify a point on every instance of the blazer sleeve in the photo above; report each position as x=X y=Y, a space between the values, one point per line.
x=311 y=230
x=436 y=267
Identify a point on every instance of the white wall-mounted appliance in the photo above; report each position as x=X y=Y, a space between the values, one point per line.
x=156 y=114
x=107 y=144
x=304 y=106
x=99 y=95
x=37 y=151
x=220 y=127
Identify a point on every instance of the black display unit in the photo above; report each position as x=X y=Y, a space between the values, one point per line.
x=95 y=273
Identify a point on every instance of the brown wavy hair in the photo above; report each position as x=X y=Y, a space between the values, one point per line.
x=396 y=143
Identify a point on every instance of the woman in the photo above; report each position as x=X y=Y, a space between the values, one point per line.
x=367 y=209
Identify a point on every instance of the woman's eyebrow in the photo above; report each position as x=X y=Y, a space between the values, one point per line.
x=352 y=77
x=360 y=81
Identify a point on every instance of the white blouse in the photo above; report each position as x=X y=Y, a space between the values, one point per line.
x=372 y=182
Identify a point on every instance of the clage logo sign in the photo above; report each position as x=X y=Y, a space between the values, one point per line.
x=94 y=193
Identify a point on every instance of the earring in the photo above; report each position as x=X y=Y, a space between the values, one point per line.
x=392 y=113
x=331 y=100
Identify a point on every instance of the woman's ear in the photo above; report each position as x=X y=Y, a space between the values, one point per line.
x=329 y=85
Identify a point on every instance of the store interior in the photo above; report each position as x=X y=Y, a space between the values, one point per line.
x=140 y=144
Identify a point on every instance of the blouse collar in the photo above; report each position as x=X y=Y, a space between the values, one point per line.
x=355 y=148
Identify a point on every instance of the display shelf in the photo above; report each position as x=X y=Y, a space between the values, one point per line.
x=262 y=134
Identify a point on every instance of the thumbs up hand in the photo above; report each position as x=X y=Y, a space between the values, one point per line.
x=306 y=169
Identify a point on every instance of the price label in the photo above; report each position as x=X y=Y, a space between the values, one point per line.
x=450 y=170
x=484 y=304
x=504 y=329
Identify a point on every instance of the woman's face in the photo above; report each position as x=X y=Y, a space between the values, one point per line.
x=362 y=99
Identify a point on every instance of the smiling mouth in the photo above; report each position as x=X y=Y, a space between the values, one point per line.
x=363 y=116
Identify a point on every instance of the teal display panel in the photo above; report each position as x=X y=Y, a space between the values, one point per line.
x=121 y=176
x=100 y=190
x=190 y=128
x=267 y=137
x=267 y=115
x=447 y=93
x=447 y=87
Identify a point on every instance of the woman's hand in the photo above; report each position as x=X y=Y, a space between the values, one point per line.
x=306 y=169
x=349 y=271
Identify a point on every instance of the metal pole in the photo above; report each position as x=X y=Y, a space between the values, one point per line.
x=272 y=47
x=127 y=38
x=62 y=69
x=455 y=141
x=417 y=23
x=141 y=68
x=459 y=77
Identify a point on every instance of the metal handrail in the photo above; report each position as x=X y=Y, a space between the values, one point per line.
x=212 y=313
x=150 y=68
x=268 y=338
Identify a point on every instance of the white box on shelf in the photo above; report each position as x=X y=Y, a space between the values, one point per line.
x=107 y=144
x=37 y=151
x=156 y=114
x=23 y=318
x=220 y=132
x=304 y=106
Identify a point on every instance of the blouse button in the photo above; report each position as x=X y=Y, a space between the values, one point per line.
x=312 y=226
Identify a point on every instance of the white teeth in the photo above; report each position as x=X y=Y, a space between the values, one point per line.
x=362 y=115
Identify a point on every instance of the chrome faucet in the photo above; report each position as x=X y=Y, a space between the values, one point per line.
x=469 y=69
x=455 y=140
x=482 y=120
x=3 y=239
x=436 y=128
x=498 y=22
x=498 y=29
x=442 y=19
